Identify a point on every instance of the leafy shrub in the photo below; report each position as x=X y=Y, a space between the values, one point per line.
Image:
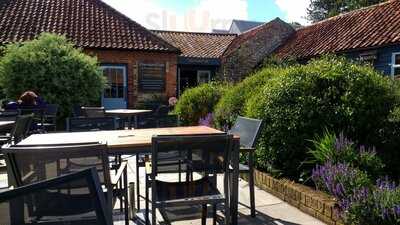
x=330 y=148
x=329 y=93
x=232 y=102
x=53 y=68
x=198 y=102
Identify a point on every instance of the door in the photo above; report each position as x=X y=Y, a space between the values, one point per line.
x=114 y=95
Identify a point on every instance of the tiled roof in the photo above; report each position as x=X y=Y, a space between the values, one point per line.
x=198 y=45
x=364 y=28
x=249 y=35
x=243 y=25
x=88 y=23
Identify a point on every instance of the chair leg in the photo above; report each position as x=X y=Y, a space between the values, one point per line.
x=214 y=214
x=153 y=214
x=251 y=184
x=126 y=198
x=147 y=201
x=204 y=215
x=137 y=182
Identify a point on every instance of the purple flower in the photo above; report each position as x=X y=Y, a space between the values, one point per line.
x=342 y=143
x=206 y=121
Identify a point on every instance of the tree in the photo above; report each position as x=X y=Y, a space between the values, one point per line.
x=51 y=66
x=322 y=9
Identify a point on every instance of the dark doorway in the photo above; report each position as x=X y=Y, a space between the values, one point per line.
x=188 y=79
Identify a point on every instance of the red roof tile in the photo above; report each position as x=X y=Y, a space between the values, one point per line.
x=88 y=23
x=198 y=45
x=364 y=28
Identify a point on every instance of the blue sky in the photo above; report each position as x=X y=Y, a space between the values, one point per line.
x=205 y=15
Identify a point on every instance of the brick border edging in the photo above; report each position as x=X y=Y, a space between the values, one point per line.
x=308 y=200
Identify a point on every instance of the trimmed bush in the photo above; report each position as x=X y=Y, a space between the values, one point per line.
x=54 y=69
x=330 y=93
x=233 y=101
x=198 y=102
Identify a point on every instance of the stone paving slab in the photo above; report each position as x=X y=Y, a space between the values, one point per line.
x=270 y=209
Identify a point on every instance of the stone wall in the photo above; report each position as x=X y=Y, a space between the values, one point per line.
x=132 y=59
x=250 y=49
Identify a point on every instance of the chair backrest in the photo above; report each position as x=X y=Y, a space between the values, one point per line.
x=206 y=154
x=167 y=121
x=248 y=130
x=57 y=198
x=31 y=164
x=81 y=124
x=77 y=111
x=21 y=128
x=93 y=112
x=51 y=110
x=162 y=110
x=8 y=115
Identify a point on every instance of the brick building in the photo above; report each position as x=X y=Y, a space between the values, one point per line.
x=137 y=63
x=250 y=49
x=369 y=34
x=199 y=60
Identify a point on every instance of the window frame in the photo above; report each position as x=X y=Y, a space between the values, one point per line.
x=203 y=71
x=124 y=67
x=394 y=65
x=140 y=77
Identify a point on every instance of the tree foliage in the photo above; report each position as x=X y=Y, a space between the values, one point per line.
x=53 y=68
x=322 y=9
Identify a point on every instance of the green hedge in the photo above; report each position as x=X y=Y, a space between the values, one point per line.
x=54 y=69
x=197 y=102
x=300 y=102
x=233 y=101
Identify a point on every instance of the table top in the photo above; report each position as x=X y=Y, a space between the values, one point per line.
x=6 y=123
x=123 y=141
x=127 y=111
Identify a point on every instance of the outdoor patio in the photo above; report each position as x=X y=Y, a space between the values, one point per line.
x=270 y=209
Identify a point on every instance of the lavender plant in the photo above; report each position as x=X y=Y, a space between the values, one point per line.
x=379 y=205
x=339 y=180
x=340 y=149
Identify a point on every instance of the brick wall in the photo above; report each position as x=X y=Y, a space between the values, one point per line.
x=308 y=200
x=249 y=49
x=132 y=59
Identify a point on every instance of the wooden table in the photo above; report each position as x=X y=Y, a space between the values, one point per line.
x=131 y=142
x=6 y=125
x=128 y=113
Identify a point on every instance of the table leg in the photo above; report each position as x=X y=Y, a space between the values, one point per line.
x=136 y=121
x=235 y=183
x=130 y=122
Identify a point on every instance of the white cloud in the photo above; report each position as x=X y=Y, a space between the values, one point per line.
x=296 y=10
x=203 y=17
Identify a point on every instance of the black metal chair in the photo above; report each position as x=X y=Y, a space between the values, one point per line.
x=202 y=155
x=94 y=112
x=159 y=118
x=75 y=198
x=30 y=164
x=38 y=118
x=50 y=117
x=20 y=130
x=9 y=115
x=81 y=124
x=248 y=130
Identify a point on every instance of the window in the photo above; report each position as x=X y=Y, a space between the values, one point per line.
x=115 y=76
x=396 y=65
x=152 y=77
x=203 y=76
